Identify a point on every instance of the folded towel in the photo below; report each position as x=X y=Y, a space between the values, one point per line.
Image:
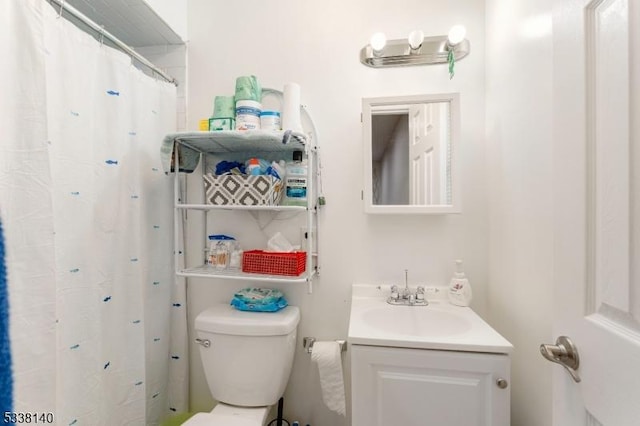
x=189 y=157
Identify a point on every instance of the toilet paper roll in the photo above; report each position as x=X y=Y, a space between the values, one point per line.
x=328 y=357
x=224 y=107
x=291 y=108
x=248 y=89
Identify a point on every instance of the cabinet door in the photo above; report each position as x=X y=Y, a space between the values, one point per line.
x=411 y=387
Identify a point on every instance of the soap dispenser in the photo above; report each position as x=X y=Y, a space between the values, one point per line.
x=459 y=287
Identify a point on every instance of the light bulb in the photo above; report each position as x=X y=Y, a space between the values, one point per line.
x=378 y=41
x=415 y=39
x=456 y=34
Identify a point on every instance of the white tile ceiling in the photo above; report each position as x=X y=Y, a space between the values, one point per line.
x=132 y=21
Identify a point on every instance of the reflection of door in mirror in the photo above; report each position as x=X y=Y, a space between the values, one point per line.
x=410 y=155
x=429 y=152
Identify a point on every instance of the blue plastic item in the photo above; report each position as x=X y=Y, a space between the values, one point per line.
x=241 y=305
x=226 y=167
x=219 y=237
x=264 y=165
x=259 y=300
x=272 y=172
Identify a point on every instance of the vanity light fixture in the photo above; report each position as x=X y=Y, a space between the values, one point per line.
x=415 y=39
x=377 y=43
x=456 y=35
x=416 y=49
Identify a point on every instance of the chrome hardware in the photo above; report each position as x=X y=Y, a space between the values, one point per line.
x=406 y=292
x=502 y=383
x=405 y=297
x=307 y=344
x=204 y=342
x=565 y=353
x=394 y=292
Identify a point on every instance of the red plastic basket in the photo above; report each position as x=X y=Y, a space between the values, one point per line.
x=274 y=263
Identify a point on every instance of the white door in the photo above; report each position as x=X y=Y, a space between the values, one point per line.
x=424 y=154
x=597 y=203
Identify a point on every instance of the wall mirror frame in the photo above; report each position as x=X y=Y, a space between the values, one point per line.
x=417 y=177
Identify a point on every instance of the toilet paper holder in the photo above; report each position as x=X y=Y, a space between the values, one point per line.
x=307 y=344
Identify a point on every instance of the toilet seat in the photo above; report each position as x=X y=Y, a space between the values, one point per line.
x=230 y=415
x=212 y=419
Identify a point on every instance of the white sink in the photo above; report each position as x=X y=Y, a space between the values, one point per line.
x=438 y=325
x=425 y=321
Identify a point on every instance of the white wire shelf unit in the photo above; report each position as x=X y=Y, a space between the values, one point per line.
x=254 y=143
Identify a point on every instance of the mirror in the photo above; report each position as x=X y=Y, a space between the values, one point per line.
x=410 y=150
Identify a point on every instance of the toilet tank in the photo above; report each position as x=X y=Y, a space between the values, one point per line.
x=250 y=356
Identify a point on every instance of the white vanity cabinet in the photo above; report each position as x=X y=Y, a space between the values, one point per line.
x=420 y=387
x=433 y=365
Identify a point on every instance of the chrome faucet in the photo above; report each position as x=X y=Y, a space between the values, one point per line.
x=406 y=297
x=406 y=292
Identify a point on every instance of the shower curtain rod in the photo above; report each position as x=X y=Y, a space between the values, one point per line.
x=104 y=33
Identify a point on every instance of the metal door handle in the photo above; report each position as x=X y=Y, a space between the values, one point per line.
x=565 y=353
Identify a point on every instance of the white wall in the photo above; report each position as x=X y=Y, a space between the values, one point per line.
x=519 y=154
x=171 y=59
x=317 y=44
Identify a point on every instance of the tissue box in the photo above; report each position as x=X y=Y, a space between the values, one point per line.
x=243 y=190
x=217 y=124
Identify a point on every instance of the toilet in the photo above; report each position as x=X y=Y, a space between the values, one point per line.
x=247 y=359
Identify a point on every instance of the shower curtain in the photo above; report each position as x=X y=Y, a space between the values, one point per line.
x=87 y=215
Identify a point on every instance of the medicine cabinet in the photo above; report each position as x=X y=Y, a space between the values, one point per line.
x=411 y=146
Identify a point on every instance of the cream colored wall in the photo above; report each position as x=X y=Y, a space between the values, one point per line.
x=317 y=44
x=519 y=154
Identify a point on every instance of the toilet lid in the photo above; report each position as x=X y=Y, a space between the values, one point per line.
x=212 y=419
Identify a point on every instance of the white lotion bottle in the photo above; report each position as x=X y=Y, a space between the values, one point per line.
x=459 y=288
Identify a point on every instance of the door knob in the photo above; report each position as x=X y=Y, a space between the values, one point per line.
x=565 y=353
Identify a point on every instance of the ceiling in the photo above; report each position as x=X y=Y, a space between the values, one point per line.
x=134 y=22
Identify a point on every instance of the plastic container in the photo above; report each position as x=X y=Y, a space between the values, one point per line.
x=459 y=288
x=270 y=120
x=295 y=191
x=222 y=256
x=248 y=115
x=220 y=246
x=235 y=259
x=274 y=263
x=217 y=124
x=253 y=168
